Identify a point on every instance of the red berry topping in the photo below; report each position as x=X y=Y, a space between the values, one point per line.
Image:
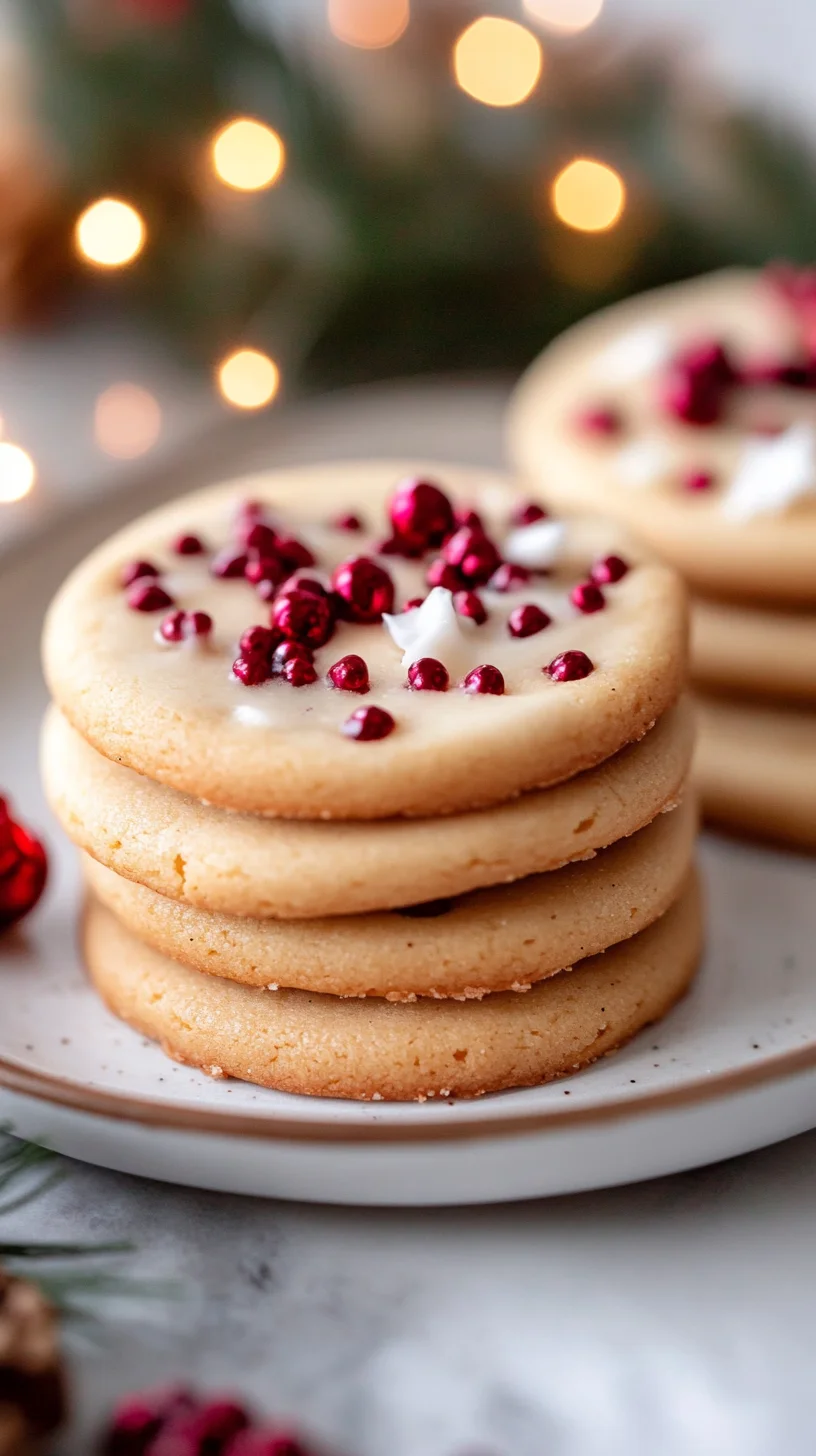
x=138 y=1419
x=261 y=538
x=205 y=1431
x=428 y=675
x=252 y=670
x=587 y=597
x=364 y=590
x=696 y=384
x=569 y=667
x=265 y=1443
x=472 y=553
x=293 y=553
x=608 y=569
x=527 y=620
x=299 y=671
x=229 y=563
x=509 y=578
x=696 y=480
x=600 y=420
x=466 y=516
x=412 y=603
x=264 y=568
x=303 y=616
x=766 y=427
x=287 y=652
x=23 y=869
x=136 y=571
x=528 y=513
x=350 y=674
x=469 y=604
x=258 y=642
x=148 y=596
x=421 y=512
x=347 y=522
x=366 y=724
x=484 y=679
x=185 y=626
x=188 y=546
x=267 y=590
x=409 y=546
x=308 y=584
x=439 y=573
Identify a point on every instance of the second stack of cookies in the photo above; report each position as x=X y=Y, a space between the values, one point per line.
x=378 y=892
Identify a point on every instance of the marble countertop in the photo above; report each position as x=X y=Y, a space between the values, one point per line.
x=669 y=1319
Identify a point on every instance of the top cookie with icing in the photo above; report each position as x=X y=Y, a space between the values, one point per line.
x=690 y=414
x=251 y=644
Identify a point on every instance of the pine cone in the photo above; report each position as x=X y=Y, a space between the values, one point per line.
x=32 y=1385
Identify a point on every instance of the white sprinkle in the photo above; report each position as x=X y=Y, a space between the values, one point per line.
x=537 y=546
x=434 y=629
x=772 y=474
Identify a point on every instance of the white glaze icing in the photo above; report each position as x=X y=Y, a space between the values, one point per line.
x=538 y=546
x=435 y=629
x=773 y=474
x=644 y=463
x=635 y=355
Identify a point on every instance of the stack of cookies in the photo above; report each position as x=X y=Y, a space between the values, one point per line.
x=370 y=773
x=689 y=414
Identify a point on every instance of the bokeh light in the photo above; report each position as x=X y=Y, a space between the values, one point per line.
x=127 y=421
x=497 y=61
x=588 y=195
x=17 y=473
x=370 y=24
x=248 y=379
x=109 y=233
x=566 y=16
x=248 y=155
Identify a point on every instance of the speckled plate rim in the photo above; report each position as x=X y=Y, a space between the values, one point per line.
x=16 y=1078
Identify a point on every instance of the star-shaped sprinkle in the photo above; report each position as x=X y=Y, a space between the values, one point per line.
x=773 y=474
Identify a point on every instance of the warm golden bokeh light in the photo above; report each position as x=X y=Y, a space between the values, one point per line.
x=370 y=24
x=588 y=195
x=109 y=233
x=248 y=155
x=497 y=61
x=566 y=16
x=17 y=473
x=127 y=421
x=248 y=379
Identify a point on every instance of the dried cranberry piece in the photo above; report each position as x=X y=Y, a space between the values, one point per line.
x=367 y=724
x=409 y=546
x=472 y=553
x=469 y=604
x=420 y=511
x=600 y=420
x=188 y=545
x=526 y=621
x=466 y=516
x=528 y=513
x=293 y=553
x=264 y=568
x=364 y=590
x=569 y=666
x=695 y=480
x=439 y=573
x=347 y=522
x=136 y=571
x=287 y=652
x=309 y=584
x=258 y=642
x=587 y=597
x=301 y=616
x=148 y=596
x=608 y=569
x=229 y=564
x=185 y=626
x=696 y=383
x=299 y=671
x=23 y=869
x=428 y=675
x=138 y=1419
x=350 y=674
x=484 y=679
x=252 y=670
x=509 y=577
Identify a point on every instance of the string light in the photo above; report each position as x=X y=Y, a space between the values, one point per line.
x=17 y=473
x=109 y=233
x=127 y=421
x=497 y=61
x=566 y=16
x=588 y=195
x=248 y=379
x=369 y=24
x=248 y=155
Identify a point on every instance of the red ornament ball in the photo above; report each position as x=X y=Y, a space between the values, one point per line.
x=23 y=869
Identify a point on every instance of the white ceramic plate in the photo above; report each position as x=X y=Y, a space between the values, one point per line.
x=733 y=1068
